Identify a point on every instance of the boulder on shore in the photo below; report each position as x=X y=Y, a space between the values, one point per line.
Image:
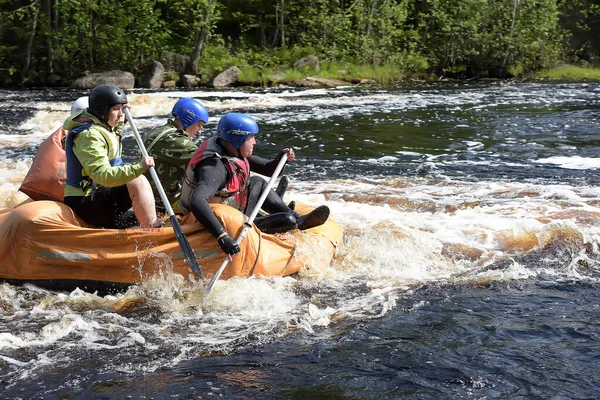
x=309 y=61
x=227 y=77
x=321 y=82
x=153 y=76
x=121 y=79
x=191 y=80
x=175 y=62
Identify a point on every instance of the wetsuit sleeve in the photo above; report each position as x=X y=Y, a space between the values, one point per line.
x=92 y=151
x=263 y=166
x=211 y=175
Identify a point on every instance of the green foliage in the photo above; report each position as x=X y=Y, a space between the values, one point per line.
x=218 y=57
x=289 y=75
x=171 y=76
x=265 y=38
x=581 y=19
x=380 y=30
x=491 y=38
x=15 y=20
x=282 y=56
x=251 y=76
x=184 y=19
x=83 y=35
x=356 y=72
x=254 y=76
x=327 y=27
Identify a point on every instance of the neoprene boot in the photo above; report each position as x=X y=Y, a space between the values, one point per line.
x=276 y=223
x=316 y=217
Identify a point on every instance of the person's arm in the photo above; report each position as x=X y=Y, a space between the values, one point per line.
x=211 y=175
x=176 y=149
x=92 y=151
x=266 y=167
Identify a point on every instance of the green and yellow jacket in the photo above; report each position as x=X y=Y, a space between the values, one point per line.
x=93 y=152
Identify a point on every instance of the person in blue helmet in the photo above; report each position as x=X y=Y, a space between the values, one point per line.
x=219 y=171
x=172 y=147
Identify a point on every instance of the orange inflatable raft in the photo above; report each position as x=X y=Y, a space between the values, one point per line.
x=43 y=242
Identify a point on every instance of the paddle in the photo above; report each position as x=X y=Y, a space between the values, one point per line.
x=248 y=224
x=183 y=242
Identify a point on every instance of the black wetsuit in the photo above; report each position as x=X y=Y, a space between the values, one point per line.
x=211 y=176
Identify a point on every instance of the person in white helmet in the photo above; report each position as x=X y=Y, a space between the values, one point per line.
x=80 y=104
x=47 y=173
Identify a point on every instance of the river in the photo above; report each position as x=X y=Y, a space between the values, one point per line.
x=469 y=268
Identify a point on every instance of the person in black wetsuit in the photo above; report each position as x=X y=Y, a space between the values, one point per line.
x=219 y=172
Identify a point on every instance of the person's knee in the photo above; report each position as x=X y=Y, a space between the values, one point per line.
x=139 y=184
x=257 y=183
x=139 y=189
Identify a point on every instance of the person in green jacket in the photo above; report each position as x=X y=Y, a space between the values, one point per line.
x=99 y=187
x=172 y=147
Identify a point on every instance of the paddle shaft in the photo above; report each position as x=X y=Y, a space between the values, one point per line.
x=181 y=239
x=248 y=224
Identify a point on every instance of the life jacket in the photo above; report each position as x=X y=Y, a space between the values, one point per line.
x=75 y=175
x=238 y=178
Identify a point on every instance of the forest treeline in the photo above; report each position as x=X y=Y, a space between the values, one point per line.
x=54 y=41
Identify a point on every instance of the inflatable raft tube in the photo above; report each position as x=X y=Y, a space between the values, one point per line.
x=45 y=243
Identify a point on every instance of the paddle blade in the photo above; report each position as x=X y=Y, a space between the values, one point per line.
x=188 y=252
x=212 y=281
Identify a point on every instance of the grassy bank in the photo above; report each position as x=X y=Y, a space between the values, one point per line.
x=569 y=73
x=255 y=76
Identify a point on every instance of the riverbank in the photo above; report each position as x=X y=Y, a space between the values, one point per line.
x=253 y=76
x=389 y=75
x=569 y=73
x=332 y=75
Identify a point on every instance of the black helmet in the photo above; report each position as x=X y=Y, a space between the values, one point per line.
x=104 y=97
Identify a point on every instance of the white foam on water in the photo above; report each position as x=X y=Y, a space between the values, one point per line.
x=11 y=176
x=574 y=162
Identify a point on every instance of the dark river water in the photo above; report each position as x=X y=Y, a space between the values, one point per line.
x=469 y=268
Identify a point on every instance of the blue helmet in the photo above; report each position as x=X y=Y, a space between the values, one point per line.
x=189 y=111
x=235 y=128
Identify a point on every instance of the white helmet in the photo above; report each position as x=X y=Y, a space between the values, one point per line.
x=80 y=104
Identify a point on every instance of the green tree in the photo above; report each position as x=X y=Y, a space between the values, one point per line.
x=190 y=24
x=494 y=38
x=581 y=18
x=379 y=29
